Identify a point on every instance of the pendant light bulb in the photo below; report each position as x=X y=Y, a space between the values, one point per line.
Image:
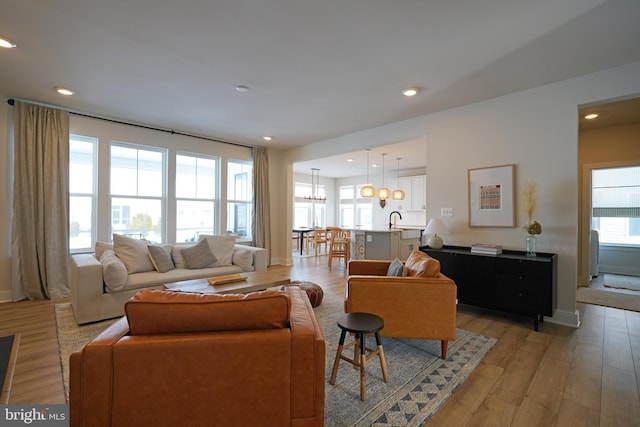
x=398 y=194
x=368 y=190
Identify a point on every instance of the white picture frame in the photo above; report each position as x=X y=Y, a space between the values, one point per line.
x=492 y=196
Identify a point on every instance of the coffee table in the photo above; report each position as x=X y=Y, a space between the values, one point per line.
x=256 y=281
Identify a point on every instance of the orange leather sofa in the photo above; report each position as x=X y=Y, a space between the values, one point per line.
x=420 y=305
x=204 y=360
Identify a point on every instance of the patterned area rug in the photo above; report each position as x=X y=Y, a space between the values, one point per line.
x=72 y=337
x=419 y=380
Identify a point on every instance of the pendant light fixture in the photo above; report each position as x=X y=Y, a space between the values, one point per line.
x=368 y=190
x=398 y=194
x=383 y=192
x=315 y=180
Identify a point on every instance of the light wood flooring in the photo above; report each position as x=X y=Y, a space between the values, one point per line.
x=559 y=376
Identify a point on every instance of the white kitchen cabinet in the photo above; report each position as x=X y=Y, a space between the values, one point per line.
x=407 y=246
x=414 y=188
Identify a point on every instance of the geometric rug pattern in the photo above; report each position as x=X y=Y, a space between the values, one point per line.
x=419 y=380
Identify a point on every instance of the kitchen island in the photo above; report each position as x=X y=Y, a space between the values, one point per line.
x=384 y=242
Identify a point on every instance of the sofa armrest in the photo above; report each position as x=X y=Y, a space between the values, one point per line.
x=308 y=361
x=86 y=285
x=260 y=256
x=92 y=369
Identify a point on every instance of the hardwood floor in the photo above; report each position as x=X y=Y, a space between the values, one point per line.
x=559 y=376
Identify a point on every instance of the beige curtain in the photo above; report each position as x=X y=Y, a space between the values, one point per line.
x=40 y=231
x=261 y=209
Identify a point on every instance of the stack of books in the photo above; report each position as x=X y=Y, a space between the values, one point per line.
x=480 y=248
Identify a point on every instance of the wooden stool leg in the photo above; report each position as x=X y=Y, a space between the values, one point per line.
x=383 y=361
x=336 y=362
x=363 y=369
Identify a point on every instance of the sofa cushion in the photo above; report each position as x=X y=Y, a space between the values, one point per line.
x=101 y=247
x=221 y=247
x=114 y=272
x=166 y=312
x=199 y=255
x=395 y=268
x=160 y=256
x=176 y=254
x=420 y=264
x=133 y=252
x=243 y=259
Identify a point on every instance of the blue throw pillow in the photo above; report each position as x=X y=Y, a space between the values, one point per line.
x=395 y=268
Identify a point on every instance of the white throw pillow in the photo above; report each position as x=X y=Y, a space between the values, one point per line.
x=114 y=272
x=101 y=247
x=133 y=253
x=222 y=248
x=176 y=254
x=243 y=259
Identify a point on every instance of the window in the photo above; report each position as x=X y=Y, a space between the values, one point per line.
x=196 y=195
x=308 y=213
x=615 y=200
x=137 y=179
x=82 y=192
x=354 y=209
x=239 y=199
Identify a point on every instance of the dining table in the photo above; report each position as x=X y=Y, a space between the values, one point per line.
x=301 y=232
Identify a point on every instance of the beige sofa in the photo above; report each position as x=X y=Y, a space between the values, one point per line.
x=93 y=299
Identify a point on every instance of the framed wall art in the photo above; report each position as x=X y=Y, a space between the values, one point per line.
x=491 y=196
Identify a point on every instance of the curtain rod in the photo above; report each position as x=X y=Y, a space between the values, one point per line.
x=11 y=101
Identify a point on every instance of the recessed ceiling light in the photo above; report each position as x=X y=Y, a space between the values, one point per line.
x=410 y=91
x=375 y=165
x=64 y=91
x=7 y=43
x=267 y=138
x=243 y=88
x=591 y=116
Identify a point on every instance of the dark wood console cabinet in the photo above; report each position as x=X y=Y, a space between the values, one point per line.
x=511 y=281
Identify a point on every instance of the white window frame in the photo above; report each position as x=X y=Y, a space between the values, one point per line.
x=163 y=196
x=215 y=200
x=94 y=191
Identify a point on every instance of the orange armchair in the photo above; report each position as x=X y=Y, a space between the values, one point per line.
x=420 y=305
x=228 y=360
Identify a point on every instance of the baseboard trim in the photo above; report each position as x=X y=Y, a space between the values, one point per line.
x=565 y=318
x=282 y=261
x=6 y=296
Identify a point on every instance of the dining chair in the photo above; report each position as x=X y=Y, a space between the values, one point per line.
x=340 y=246
x=296 y=237
x=320 y=238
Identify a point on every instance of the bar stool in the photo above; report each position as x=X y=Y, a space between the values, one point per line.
x=360 y=324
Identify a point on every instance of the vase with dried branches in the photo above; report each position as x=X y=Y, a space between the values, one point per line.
x=533 y=227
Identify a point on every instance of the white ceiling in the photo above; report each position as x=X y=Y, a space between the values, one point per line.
x=316 y=69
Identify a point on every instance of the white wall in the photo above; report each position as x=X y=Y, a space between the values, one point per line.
x=536 y=129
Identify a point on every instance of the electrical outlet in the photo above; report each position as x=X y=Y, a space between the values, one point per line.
x=446 y=212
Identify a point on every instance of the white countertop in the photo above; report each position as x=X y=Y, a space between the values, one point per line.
x=387 y=229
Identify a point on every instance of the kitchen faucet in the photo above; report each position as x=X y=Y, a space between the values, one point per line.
x=391 y=214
